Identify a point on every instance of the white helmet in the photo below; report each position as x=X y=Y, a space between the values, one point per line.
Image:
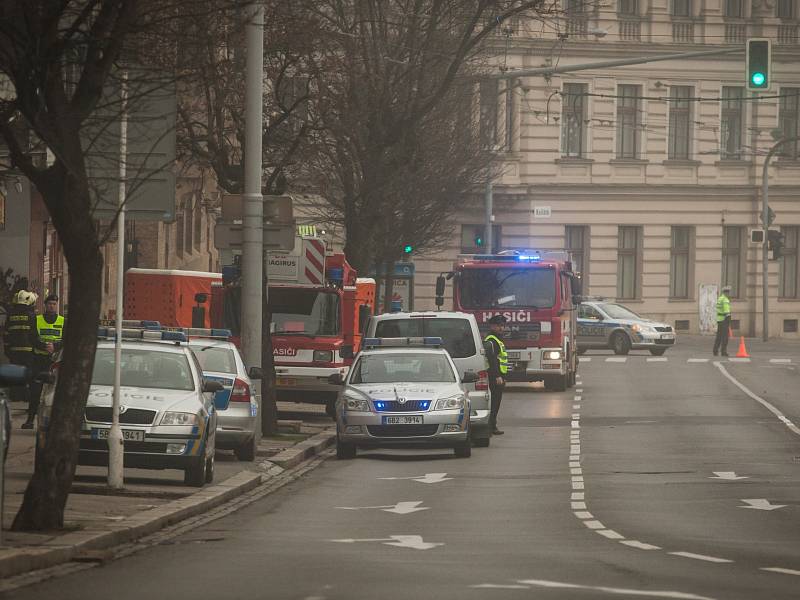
x=27 y=298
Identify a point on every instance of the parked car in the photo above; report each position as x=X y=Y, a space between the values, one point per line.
x=403 y=392
x=237 y=404
x=462 y=340
x=166 y=408
x=604 y=324
x=10 y=375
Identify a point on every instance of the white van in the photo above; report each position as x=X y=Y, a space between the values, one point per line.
x=462 y=339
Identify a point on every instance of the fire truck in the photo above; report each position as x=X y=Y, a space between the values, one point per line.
x=537 y=293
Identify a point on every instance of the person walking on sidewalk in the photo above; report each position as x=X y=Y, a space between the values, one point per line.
x=498 y=367
x=50 y=331
x=723 y=321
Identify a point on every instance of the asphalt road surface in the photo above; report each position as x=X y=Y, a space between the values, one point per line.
x=676 y=478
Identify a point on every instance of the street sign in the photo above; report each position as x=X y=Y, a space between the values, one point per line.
x=277 y=209
x=228 y=235
x=276 y=237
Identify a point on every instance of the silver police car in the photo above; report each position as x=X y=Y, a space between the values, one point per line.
x=604 y=324
x=403 y=392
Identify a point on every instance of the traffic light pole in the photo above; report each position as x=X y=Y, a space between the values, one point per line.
x=765 y=219
x=487 y=235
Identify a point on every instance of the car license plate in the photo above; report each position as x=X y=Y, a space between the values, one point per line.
x=287 y=381
x=513 y=355
x=133 y=435
x=667 y=336
x=403 y=420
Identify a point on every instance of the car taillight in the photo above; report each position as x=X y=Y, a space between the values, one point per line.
x=240 y=391
x=483 y=381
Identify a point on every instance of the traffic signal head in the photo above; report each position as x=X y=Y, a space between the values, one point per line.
x=775 y=242
x=758 y=61
x=479 y=240
x=408 y=249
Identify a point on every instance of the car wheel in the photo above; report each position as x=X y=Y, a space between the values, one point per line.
x=210 y=468
x=657 y=351
x=247 y=451
x=557 y=383
x=330 y=407
x=481 y=442
x=620 y=343
x=195 y=474
x=345 y=451
x=463 y=450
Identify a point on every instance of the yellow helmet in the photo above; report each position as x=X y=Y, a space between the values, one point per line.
x=25 y=297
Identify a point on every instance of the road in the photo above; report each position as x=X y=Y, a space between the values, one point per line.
x=653 y=478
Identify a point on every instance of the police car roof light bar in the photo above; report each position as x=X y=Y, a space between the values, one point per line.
x=132 y=324
x=132 y=333
x=402 y=342
x=204 y=332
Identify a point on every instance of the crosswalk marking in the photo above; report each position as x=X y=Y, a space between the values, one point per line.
x=619 y=359
x=697 y=360
x=658 y=359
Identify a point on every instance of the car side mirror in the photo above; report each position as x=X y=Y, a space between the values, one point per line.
x=336 y=379
x=346 y=352
x=470 y=377
x=209 y=385
x=255 y=373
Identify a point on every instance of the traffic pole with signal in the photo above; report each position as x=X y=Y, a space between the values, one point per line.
x=758 y=62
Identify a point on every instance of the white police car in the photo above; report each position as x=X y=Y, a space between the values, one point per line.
x=403 y=392
x=610 y=325
x=166 y=409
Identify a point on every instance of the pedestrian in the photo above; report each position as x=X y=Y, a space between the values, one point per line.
x=498 y=367
x=20 y=337
x=723 y=321
x=49 y=331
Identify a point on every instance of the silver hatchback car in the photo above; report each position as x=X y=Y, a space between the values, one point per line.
x=237 y=404
x=403 y=392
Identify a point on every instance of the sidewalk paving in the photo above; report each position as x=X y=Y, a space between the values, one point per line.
x=97 y=517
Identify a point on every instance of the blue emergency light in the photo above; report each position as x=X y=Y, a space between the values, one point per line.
x=132 y=333
x=402 y=342
x=209 y=333
x=529 y=257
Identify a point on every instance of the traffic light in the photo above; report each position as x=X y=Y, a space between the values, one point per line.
x=775 y=243
x=756 y=236
x=758 y=61
x=479 y=240
x=408 y=249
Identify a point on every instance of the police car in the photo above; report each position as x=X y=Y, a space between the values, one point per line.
x=403 y=392
x=166 y=408
x=604 y=324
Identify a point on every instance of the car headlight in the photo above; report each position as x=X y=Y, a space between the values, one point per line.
x=552 y=355
x=637 y=327
x=450 y=403
x=356 y=403
x=179 y=418
x=323 y=356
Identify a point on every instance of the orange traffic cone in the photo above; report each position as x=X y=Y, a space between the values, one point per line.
x=742 y=353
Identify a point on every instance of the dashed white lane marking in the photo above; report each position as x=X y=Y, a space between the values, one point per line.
x=640 y=545
x=578 y=390
x=594 y=524
x=780 y=361
x=740 y=360
x=617 y=359
x=585 y=359
x=578 y=505
x=713 y=559
x=576 y=406
x=611 y=534
x=781 y=570
x=584 y=515
x=611 y=590
x=658 y=359
x=697 y=360
x=792 y=427
x=578 y=496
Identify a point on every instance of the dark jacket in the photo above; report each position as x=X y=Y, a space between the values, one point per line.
x=492 y=350
x=20 y=336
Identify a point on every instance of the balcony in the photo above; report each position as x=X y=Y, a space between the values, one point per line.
x=735 y=33
x=577 y=26
x=682 y=31
x=630 y=29
x=787 y=34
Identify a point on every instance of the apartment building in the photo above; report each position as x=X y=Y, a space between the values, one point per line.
x=651 y=173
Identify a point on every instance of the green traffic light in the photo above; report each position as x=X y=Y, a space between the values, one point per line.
x=479 y=241
x=757 y=78
x=408 y=248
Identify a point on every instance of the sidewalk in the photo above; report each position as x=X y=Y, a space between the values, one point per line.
x=97 y=517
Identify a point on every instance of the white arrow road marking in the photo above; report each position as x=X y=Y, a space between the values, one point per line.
x=727 y=475
x=781 y=570
x=427 y=478
x=761 y=504
x=401 y=541
x=704 y=557
x=401 y=508
x=610 y=590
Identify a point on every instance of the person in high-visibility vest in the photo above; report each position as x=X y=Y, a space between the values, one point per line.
x=723 y=321
x=19 y=339
x=498 y=367
x=50 y=332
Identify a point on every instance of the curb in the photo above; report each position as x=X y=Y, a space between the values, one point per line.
x=15 y=561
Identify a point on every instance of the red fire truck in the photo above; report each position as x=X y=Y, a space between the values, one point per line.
x=536 y=292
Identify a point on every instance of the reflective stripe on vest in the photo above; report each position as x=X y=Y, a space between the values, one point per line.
x=50 y=332
x=502 y=355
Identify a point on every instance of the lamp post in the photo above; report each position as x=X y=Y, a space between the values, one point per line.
x=765 y=219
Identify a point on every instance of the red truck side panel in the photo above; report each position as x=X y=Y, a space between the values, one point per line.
x=167 y=295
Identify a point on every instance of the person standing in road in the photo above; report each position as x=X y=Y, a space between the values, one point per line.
x=20 y=338
x=723 y=321
x=50 y=332
x=498 y=367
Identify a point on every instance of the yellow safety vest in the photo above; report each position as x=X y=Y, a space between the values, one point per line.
x=723 y=307
x=502 y=355
x=49 y=332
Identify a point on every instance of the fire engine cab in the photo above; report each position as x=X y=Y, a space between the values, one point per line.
x=537 y=293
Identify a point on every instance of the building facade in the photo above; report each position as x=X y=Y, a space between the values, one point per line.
x=651 y=174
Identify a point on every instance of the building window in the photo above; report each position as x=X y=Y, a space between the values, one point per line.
x=628 y=121
x=784 y=9
x=733 y=8
x=573 y=120
x=680 y=8
x=628 y=250
x=733 y=259
x=732 y=121
x=788 y=121
x=473 y=239
x=680 y=122
x=679 y=261
x=628 y=8
x=789 y=263
x=577 y=244
x=489 y=92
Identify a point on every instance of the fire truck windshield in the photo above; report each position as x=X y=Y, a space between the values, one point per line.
x=505 y=287
x=301 y=311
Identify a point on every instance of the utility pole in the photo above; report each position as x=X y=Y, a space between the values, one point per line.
x=487 y=235
x=252 y=201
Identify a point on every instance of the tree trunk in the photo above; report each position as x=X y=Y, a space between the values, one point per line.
x=269 y=406
x=46 y=495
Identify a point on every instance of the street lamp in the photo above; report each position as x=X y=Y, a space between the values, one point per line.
x=765 y=219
